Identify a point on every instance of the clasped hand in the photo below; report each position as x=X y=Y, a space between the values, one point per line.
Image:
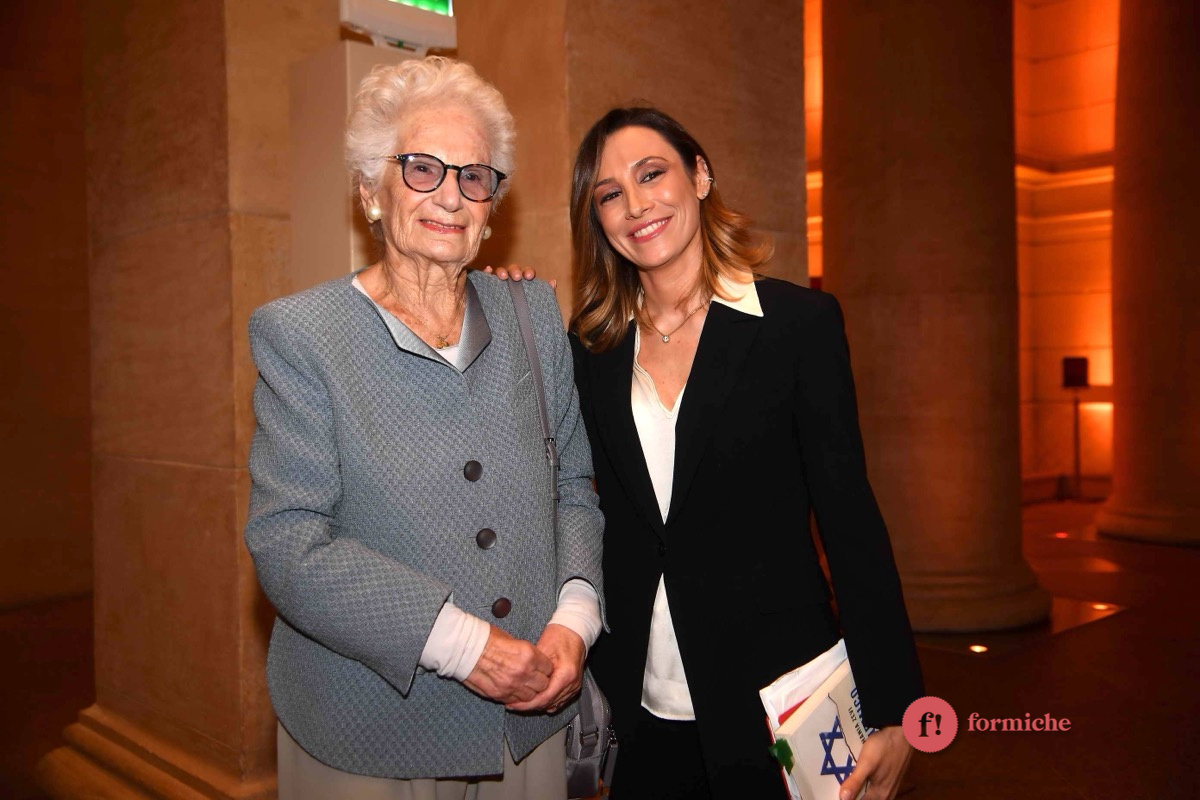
x=527 y=677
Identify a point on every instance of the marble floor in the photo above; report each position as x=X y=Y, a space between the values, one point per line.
x=1126 y=679
x=1118 y=659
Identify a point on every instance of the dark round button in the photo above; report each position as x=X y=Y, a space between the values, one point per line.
x=473 y=471
x=501 y=607
x=486 y=538
x=662 y=549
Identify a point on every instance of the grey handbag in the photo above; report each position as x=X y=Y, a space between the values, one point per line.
x=591 y=743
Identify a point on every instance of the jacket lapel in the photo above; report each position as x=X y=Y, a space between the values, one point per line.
x=476 y=334
x=724 y=345
x=613 y=378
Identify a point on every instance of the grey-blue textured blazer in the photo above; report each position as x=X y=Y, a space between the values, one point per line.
x=363 y=520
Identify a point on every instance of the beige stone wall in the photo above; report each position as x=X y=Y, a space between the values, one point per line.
x=731 y=73
x=532 y=225
x=45 y=487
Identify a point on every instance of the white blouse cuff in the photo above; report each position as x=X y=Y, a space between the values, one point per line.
x=579 y=610
x=455 y=643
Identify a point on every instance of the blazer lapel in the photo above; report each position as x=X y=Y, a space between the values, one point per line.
x=724 y=345
x=613 y=379
x=476 y=333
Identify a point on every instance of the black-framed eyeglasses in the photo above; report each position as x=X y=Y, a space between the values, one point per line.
x=425 y=173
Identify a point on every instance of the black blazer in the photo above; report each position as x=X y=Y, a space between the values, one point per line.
x=768 y=430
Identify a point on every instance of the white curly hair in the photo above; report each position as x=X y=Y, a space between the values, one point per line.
x=392 y=92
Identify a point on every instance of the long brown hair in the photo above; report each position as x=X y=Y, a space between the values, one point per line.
x=607 y=286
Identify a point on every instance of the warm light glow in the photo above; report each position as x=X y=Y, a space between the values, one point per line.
x=1064 y=77
x=978 y=648
x=1096 y=429
x=1061 y=535
x=1102 y=366
x=1101 y=606
x=813 y=81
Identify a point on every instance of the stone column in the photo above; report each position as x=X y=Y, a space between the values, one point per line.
x=920 y=247
x=1156 y=277
x=186 y=167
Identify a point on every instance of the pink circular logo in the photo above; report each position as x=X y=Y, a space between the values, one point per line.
x=930 y=724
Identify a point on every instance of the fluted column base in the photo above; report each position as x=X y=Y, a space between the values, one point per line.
x=108 y=758
x=1159 y=525
x=967 y=603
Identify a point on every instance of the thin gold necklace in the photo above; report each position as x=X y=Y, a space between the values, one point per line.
x=666 y=337
x=440 y=340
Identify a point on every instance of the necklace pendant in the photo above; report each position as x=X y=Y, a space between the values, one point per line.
x=666 y=338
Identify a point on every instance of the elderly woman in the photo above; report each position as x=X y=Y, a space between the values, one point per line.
x=721 y=408
x=432 y=624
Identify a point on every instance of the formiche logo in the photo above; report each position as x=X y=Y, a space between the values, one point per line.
x=930 y=724
x=1030 y=723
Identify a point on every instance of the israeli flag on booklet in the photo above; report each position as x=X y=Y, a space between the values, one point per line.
x=815 y=718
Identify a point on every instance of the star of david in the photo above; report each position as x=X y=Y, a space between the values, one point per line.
x=829 y=766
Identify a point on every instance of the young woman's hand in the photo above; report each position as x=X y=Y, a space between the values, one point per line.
x=514 y=273
x=881 y=765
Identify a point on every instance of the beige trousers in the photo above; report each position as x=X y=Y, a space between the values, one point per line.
x=541 y=776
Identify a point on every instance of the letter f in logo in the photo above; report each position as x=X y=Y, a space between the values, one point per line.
x=925 y=718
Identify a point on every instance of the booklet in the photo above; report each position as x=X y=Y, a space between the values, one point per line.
x=815 y=718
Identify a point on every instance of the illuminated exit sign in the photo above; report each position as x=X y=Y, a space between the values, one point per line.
x=444 y=7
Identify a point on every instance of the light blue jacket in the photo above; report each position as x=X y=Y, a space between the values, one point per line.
x=363 y=520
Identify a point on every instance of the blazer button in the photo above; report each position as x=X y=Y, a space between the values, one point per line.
x=473 y=471
x=662 y=550
x=486 y=539
x=501 y=608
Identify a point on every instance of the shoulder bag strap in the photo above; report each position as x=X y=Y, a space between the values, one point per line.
x=517 y=290
x=593 y=711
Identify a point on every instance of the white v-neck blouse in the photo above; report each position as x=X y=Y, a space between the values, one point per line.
x=665 y=691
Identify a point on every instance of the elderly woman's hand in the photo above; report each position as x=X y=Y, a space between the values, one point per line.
x=567 y=652
x=515 y=273
x=509 y=670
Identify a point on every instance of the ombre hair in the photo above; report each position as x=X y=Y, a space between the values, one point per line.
x=607 y=289
x=393 y=92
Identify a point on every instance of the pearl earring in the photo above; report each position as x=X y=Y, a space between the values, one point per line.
x=487 y=231
x=374 y=213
